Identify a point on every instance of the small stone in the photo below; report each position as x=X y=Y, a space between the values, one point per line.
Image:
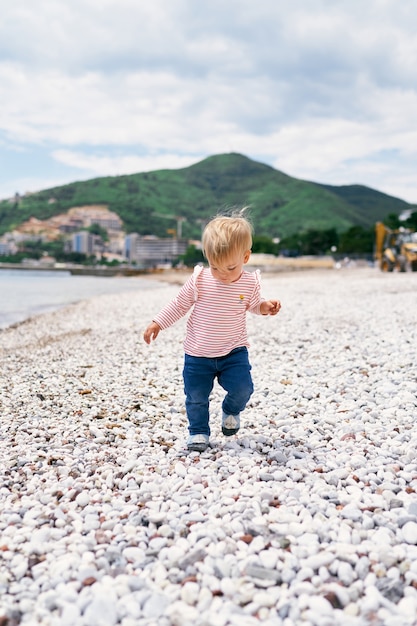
x=351 y=512
x=82 y=499
x=318 y=560
x=351 y=609
x=189 y=593
x=180 y=469
x=70 y=615
x=102 y=609
x=409 y=533
x=256 y=571
x=412 y=509
x=155 y=606
x=134 y=554
x=345 y=573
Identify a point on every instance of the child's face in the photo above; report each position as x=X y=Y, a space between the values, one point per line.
x=229 y=270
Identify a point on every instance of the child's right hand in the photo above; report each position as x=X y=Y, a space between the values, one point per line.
x=151 y=332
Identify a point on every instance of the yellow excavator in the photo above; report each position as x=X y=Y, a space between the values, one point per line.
x=395 y=249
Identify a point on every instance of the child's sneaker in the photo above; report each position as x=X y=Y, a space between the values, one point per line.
x=230 y=424
x=198 y=443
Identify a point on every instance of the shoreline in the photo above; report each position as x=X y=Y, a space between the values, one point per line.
x=29 y=294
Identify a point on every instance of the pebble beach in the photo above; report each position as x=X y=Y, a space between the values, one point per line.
x=308 y=516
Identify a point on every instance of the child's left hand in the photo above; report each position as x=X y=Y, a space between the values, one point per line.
x=270 y=307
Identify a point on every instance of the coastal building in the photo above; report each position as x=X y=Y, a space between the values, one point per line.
x=72 y=221
x=150 y=251
x=83 y=242
x=69 y=225
x=95 y=214
x=7 y=247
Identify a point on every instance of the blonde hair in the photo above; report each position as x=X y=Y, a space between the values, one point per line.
x=226 y=235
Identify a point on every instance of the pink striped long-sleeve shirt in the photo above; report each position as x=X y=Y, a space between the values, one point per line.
x=217 y=324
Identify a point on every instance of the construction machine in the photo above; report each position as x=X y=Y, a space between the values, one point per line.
x=395 y=249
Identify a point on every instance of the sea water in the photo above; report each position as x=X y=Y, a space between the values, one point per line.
x=25 y=293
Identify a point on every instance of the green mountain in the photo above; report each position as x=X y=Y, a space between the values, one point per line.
x=280 y=205
x=375 y=204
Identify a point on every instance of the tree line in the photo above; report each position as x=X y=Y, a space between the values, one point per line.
x=356 y=241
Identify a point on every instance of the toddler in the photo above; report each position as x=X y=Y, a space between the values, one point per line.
x=216 y=342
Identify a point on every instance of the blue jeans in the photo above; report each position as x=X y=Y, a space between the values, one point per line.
x=233 y=374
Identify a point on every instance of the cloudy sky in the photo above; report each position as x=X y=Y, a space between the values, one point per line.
x=324 y=90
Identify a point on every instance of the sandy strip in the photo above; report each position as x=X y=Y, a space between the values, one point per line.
x=267 y=264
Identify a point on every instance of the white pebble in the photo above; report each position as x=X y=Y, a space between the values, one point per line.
x=82 y=499
x=409 y=533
